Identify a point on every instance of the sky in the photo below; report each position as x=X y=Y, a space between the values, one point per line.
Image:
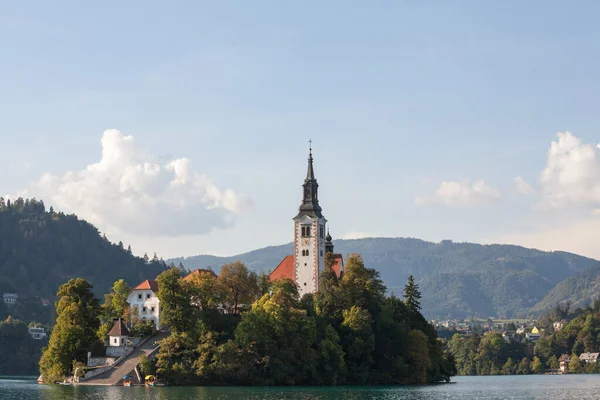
x=183 y=128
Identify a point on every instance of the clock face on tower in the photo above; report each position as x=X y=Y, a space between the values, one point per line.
x=305 y=242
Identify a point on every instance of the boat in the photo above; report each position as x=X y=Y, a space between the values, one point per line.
x=150 y=380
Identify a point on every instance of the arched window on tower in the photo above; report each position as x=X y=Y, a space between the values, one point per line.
x=303 y=231
x=308 y=231
x=306 y=252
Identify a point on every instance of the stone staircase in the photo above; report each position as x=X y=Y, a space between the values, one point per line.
x=114 y=376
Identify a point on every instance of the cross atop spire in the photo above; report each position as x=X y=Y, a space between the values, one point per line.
x=310 y=175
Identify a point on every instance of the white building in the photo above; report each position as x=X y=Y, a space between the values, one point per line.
x=37 y=333
x=311 y=242
x=10 y=298
x=119 y=334
x=144 y=302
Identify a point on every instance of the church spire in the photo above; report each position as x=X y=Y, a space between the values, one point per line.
x=328 y=243
x=310 y=199
x=310 y=173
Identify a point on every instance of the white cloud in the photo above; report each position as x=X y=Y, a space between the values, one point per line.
x=572 y=173
x=522 y=186
x=461 y=193
x=128 y=192
x=579 y=237
x=356 y=235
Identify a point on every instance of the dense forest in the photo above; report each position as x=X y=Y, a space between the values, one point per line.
x=491 y=354
x=39 y=250
x=578 y=290
x=457 y=279
x=350 y=332
x=19 y=352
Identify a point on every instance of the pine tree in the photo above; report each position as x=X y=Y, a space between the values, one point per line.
x=412 y=295
x=129 y=249
x=146 y=259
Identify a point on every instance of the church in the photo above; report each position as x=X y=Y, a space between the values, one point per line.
x=311 y=240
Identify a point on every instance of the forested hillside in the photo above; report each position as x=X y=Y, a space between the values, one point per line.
x=579 y=290
x=40 y=250
x=457 y=279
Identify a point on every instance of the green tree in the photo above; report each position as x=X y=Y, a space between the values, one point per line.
x=332 y=367
x=509 y=367
x=419 y=357
x=115 y=306
x=205 y=290
x=359 y=343
x=536 y=366
x=575 y=366
x=175 y=359
x=146 y=365
x=412 y=295
x=553 y=362
x=240 y=284
x=523 y=368
x=328 y=297
x=175 y=302
x=278 y=340
x=77 y=322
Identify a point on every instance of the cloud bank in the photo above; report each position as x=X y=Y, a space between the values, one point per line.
x=129 y=192
x=356 y=235
x=454 y=193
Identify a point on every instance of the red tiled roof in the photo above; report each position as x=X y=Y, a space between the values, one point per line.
x=198 y=272
x=148 y=284
x=285 y=269
x=119 y=329
x=338 y=267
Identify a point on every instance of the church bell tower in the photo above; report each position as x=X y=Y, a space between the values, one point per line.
x=309 y=235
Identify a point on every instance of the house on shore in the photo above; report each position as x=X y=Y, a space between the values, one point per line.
x=144 y=302
x=589 y=358
x=564 y=361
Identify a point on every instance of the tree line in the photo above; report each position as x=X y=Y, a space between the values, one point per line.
x=491 y=354
x=350 y=332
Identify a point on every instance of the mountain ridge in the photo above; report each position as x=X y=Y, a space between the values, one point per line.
x=458 y=279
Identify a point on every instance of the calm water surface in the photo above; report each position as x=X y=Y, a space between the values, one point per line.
x=556 y=387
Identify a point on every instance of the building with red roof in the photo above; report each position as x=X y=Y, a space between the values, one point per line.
x=199 y=272
x=144 y=302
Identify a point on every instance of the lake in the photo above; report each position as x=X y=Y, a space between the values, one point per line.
x=556 y=387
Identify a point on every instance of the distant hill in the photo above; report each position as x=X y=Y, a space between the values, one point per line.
x=457 y=279
x=40 y=250
x=579 y=290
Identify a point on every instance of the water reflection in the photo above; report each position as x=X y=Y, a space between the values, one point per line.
x=468 y=388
